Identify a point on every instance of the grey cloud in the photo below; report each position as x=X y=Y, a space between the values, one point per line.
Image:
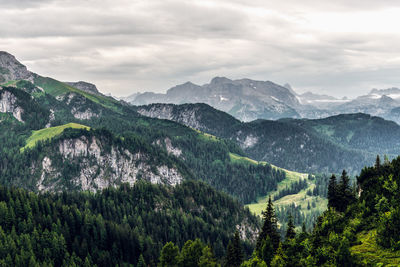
x=125 y=46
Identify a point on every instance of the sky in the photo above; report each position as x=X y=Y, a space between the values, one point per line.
x=341 y=48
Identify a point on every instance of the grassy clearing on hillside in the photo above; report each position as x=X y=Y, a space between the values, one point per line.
x=241 y=159
x=48 y=133
x=371 y=254
x=9 y=83
x=57 y=88
x=206 y=135
x=300 y=198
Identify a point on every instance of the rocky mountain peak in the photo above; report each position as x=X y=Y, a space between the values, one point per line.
x=387 y=91
x=85 y=86
x=220 y=80
x=12 y=69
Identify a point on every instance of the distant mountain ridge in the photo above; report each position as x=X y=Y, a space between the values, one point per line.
x=249 y=100
x=347 y=141
x=244 y=99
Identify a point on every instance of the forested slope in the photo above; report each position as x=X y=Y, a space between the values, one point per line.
x=115 y=226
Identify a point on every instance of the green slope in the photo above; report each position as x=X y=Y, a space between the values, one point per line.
x=371 y=253
x=48 y=133
x=57 y=88
x=301 y=198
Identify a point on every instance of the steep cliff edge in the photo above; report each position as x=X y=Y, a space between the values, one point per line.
x=8 y=104
x=94 y=160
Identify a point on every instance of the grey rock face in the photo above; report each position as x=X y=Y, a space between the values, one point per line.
x=8 y=105
x=245 y=99
x=186 y=116
x=85 y=86
x=12 y=69
x=99 y=169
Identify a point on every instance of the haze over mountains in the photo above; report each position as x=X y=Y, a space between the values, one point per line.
x=249 y=100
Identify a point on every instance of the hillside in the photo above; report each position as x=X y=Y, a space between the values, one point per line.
x=321 y=144
x=49 y=133
x=116 y=226
x=55 y=104
x=359 y=228
x=297 y=194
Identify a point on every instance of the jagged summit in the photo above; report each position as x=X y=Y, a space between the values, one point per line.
x=12 y=69
x=85 y=86
x=219 y=80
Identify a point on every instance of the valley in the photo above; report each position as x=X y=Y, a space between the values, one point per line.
x=115 y=183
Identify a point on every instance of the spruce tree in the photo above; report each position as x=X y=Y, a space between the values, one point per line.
x=269 y=228
x=332 y=192
x=169 y=255
x=377 y=163
x=141 y=261
x=290 y=232
x=234 y=256
x=207 y=258
x=345 y=192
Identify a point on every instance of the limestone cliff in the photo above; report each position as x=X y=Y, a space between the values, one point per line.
x=8 y=104
x=96 y=167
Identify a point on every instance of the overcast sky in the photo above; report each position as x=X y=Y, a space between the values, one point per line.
x=126 y=46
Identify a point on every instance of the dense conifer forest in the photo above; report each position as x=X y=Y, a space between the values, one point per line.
x=116 y=226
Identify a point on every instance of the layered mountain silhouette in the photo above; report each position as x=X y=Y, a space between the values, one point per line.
x=249 y=100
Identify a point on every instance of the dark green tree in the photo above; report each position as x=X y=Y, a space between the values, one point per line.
x=141 y=261
x=169 y=255
x=267 y=250
x=377 y=163
x=269 y=228
x=207 y=258
x=191 y=253
x=345 y=192
x=234 y=256
x=332 y=192
x=290 y=232
x=343 y=255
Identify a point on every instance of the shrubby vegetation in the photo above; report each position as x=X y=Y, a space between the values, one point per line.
x=353 y=231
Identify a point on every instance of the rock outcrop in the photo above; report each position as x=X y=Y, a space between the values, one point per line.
x=99 y=168
x=11 y=69
x=85 y=86
x=8 y=104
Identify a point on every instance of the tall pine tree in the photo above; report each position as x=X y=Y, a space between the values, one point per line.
x=290 y=232
x=269 y=228
x=234 y=256
x=332 y=192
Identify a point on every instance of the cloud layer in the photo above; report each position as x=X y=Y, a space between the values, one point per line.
x=125 y=46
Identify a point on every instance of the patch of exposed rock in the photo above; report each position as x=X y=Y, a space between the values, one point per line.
x=85 y=86
x=78 y=105
x=8 y=104
x=99 y=169
x=12 y=69
x=84 y=115
x=177 y=152
x=52 y=117
x=247 y=232
x=186 y=116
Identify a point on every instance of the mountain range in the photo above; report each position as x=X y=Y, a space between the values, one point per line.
x=347 y=141
x=90 y=179
x=249 y=100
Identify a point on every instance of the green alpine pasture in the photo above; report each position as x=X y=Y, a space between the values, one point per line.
x=301 y=198
x=49 y=133
x=57 y=88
